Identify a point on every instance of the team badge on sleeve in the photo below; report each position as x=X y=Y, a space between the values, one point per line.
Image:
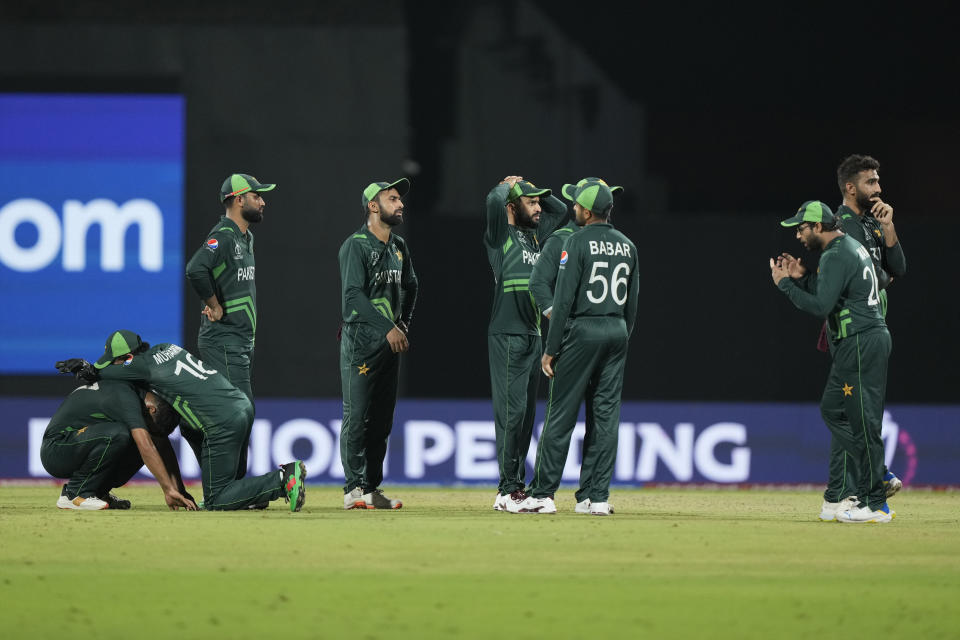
x=212 y=244
x=563 y=257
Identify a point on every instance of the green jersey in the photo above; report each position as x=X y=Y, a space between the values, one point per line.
x=103 y=401
x=378 y=285
x=845 y=289
x=225 y=266
x=889 y=262
x=200 y=395
x=543 y=278
x=597 y=277
x=512 y=252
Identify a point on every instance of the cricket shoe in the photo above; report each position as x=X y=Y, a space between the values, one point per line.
x=92 y=503
x=891 y=483
x=601 y=509
x=865 y=514
x=500 y=503
x=512 y=502
x=829 y=510
x=376 y=500
x=536 y=505
x=584 y=507
x=294 y=474
x=115 y=502
x=353 y=499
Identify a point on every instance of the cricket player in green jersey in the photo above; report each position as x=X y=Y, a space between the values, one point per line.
x=207 y=404
x=378 y=293
x=594 y=311
x=543 y=280
x=223 y=274
x=845 y=290
x=514 y=209
x=99 y=438
x=868 y=220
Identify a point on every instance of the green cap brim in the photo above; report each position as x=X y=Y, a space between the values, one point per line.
x=792 y=222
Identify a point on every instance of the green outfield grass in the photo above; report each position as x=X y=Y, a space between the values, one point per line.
x=671 y=563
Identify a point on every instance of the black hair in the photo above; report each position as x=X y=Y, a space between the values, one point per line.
x=143 y=347
x=164 y=421
x=853 y=165
x=605 y=214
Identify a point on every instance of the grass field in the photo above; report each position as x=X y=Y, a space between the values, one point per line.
x=671 y=563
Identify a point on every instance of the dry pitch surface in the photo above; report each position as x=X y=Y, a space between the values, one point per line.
x=671 y=563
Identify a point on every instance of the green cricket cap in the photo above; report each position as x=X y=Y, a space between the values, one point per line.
x=119 y=343
x=241 y=183
x=810 y=211
x=370 y=192
x=526 y=188
x=591 y=193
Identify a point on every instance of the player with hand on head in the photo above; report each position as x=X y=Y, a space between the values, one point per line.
x=594 y=311
x=845 y=291
x=515 y=211
x=207 y=404
x=100 y=437
x=378 y=294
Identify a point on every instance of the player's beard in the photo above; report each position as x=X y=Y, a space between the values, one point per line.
x=523 y=219
x=393 y=219
x=251 y=215
x=814 y=243
x=864 y=202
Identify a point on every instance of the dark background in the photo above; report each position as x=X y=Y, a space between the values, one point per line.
x=719 y=120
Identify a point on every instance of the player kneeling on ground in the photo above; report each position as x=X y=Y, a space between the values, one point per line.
x=215 y=417
x=100 y=437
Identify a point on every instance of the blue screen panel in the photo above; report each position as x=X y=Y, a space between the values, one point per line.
x=91 y=224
